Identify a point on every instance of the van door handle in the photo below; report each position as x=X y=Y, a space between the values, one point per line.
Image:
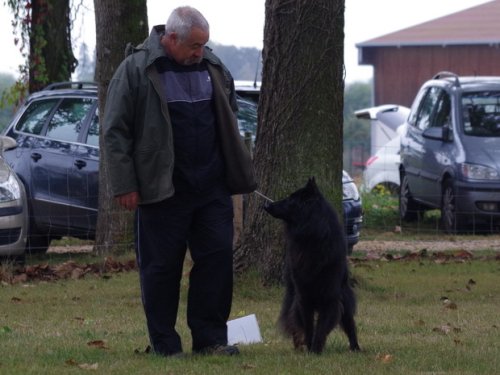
x=80 y=164
x=36 y=156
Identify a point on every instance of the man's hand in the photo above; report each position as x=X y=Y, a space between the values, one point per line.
x=129 y=200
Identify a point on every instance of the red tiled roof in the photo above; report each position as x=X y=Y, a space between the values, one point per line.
x=477 y=25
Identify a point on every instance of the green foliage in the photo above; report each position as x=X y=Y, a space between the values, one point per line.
x=381 y=219
x=8 y=88
x=380 y=212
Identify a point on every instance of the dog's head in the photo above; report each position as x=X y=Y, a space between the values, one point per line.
x=295 y=206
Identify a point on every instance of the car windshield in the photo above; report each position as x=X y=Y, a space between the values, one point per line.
x=481 y=113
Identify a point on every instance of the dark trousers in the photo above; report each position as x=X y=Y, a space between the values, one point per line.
x=164 y=231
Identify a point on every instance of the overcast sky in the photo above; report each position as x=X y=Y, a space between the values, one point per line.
x=241 y=23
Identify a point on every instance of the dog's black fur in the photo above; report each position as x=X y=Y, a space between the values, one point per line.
x=318 y=295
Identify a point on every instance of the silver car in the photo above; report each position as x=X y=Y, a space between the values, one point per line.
x=13 y=208
x=450 y=153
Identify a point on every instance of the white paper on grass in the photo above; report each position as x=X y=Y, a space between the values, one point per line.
x=244 y=330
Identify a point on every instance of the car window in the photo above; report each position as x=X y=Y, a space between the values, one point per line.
x=443 y=107
x=426 y=108
x=35 y=116
x=67 y=121
x=93 y=133
x=481 y=113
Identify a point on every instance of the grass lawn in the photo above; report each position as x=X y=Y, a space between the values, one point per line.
x=414 y=317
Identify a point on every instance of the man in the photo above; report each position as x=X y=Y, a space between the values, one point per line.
x=175 y=154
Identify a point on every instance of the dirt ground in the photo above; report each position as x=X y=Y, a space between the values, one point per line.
x=418 y=245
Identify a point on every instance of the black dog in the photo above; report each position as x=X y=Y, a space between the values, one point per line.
x=318 y=295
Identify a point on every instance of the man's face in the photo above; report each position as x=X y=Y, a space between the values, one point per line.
x=189 y=51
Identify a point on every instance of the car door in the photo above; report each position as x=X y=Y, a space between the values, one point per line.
x=85 y=178
x=55 y=193
x=424 y=152
x=412 y=147
x=438 y=147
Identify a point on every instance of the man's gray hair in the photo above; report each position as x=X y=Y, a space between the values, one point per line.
x=183 y=19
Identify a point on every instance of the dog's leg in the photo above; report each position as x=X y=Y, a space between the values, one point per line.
x=328 y=316
x=307 y=316
x=347 y=319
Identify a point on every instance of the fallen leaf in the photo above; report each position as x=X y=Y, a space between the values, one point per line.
x=99 y=344
x=71 y=362
x=450 y=305
x=444 y=329
x=463 y=254
x=384 y=358
x=247 y=366
x=89 y=366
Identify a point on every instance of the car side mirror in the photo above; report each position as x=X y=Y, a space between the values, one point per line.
x=438 y=133
x=7 y=143
x=446 y=133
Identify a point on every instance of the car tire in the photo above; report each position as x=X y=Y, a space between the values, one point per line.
x=409 y=209
x=451 y=221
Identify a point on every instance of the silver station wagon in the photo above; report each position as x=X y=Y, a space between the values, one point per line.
x=450 y=153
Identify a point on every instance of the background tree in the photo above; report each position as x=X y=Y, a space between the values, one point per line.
x=117 y=23
x=85 y=71
x=44 y=28
x=300 y=118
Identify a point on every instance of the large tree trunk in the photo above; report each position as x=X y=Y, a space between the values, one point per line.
x=300 y=119
x=117 y=23
x=51 y=57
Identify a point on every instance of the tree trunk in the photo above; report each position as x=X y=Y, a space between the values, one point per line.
x=51 y=57
x=117 y=23
x=300 y=119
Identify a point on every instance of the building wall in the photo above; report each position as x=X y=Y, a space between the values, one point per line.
x=400 y=71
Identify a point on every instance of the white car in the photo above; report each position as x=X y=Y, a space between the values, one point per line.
x=382 y=168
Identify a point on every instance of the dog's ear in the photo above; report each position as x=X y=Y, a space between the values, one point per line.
x=311 y=185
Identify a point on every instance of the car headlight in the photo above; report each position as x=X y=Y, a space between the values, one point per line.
x=479 y=172
x=350 y=191
x=9 y=188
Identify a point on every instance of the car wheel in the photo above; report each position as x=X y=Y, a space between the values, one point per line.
x=451 y=221
x=408 y=207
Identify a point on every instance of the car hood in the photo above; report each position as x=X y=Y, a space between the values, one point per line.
x=485 y=151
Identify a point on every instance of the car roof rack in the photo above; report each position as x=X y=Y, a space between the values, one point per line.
x=445 y=74
x=71 y=85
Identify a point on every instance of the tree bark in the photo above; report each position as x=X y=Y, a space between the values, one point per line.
x=299 y=119
x=117 y=23
x=51 y=56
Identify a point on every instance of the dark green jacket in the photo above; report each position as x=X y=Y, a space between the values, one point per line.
x=138 y=134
